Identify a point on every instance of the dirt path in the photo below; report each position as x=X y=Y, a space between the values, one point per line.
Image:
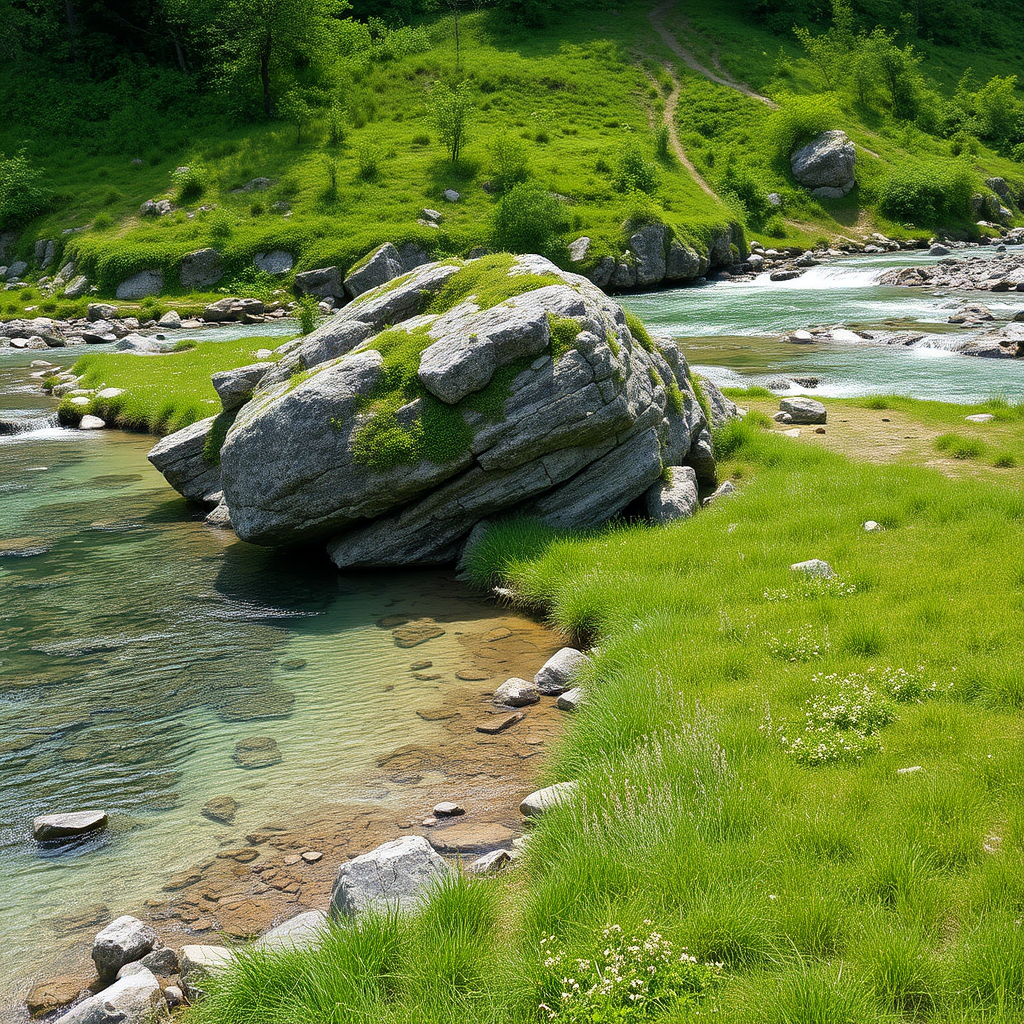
x=657 y=21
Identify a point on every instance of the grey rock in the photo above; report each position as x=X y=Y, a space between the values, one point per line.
x=232 y=309
x=394 y=876
x=547 y=799
x=76 y=287
x=578 y=249
x=412 y=256
x=722 y=409
x=198 y=963
x=16 y=270
x=648 y=248
x=141 y=285
x=381 y=266
x=782 y=417
x=170 y=321
x=490 y=863
x=100 y=311
x=200 y=269
x=516 y=693
x=804 y=410
x=938 y=250
x=180 y=457
x=434 y=216
x=556 y=675
x=235 y=387
x=826 y=161
x=872 y=527
x=980 y=417
x=88 y=422
x=300 y=932
x=451 y=196
x=701 y=458
x=814 y=567
x=45 y=251
x=448 y=809
x=322 y=283
x=137 y=343
x=174 y=996
x=1000 y=187
x=601 y=273
x=674 y=499
x=123 y=941
x=275 y=262
x=682 y=263
x=571 y=700
x=163 y=962
x=156 y=208
x=256 y=185
x=726 y=488
x=134 y=999
x=624 y=273
x=774 y=199
x=51 y=827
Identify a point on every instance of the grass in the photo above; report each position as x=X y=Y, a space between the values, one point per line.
x=162 y=393
x=837 y=891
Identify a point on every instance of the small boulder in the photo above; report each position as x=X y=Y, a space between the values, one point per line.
x=804 y=410
x=545 y=799
x=448 y=809
x=170 y=321
x=490 y=863
x=980 y=417
x=275 y=262
x=123 y=941
x=571 y=699
x=322 y=283
x=199 y=963
x=133 y=999
x=394 y=876
x=200 y=269
x=163 y=962
x=235 y=387
x=516 y=693
x=50 y=827
x=557 y=673
x=814 y=567
x=98 y=311
x=827 y=161
x=675 y=498
x=938 y=250
x=382 y=265
x=232 y=309
x=76 y=287
x=872 y=527
x=182 y=459
x=141 y=285
x=451 y=196
x=299 y=932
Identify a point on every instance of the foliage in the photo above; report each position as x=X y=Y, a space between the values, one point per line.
x=927 y=193
x=451 y=112
x=189 y=183
x=510 y=164
x=308 y=311
x=798 y=120
x=21 y=195
x=634 y=171
x=527 y=218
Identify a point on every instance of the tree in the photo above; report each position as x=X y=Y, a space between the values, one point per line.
x=451 y=112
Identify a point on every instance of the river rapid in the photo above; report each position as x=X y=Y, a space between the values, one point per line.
x=138 y=645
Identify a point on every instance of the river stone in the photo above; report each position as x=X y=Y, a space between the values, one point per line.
x=815 y=567
x=804 y=410
x=100 y=311
x=180 y=457
x=545 y=799
x=170 y=321
x=221 y=809
x=48 y=995
x=557 y=673
x=826 y=161
x=134 y=999
x=275 y=262
x=675 y=498
x=516 y=693
x=123 y=941
x=49 y=827
x=324 y=282
x=379 y=267
x=199 y=962
x=76 y=287
x=232 y=309
x=235 y=387
x=490 y=863
x=299 y=932
x=163 y=962
x=257 y=752
x=200 y=270
x=394 y=876
x=141 y=285
x=472 y=837
x=570 y=700
x=448 y=809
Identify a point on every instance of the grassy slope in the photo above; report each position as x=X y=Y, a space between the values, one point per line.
x=574 y=95
x=837 y=893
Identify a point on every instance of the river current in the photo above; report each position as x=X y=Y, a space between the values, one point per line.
x=138 y=645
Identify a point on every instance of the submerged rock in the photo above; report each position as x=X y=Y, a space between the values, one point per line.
x=51 y=827
x=257 y=752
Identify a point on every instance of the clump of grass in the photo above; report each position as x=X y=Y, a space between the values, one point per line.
x=958 y=447
x=307 y=310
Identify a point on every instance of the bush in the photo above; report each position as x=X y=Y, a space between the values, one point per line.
x=509 y=162
x=368 y=160
x=189 y=183
x=798 y=120
x=21 y=196
x=634 y=172
x=527 y=219
x=927 y=193
x=307 y=310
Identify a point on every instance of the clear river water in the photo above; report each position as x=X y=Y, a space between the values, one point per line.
x=138 y=645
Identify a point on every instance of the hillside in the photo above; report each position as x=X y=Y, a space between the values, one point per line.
x=605 y=120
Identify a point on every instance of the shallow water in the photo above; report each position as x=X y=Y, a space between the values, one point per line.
x=138 y=646
x=731 y=332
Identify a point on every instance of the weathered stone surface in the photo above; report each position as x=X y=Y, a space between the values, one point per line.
x=171 y=320
x=448 y=809
x=235 y=387
x=490 y=863
x=571 y=699
x=199 y=963
x=804 y=410
x=382 y=265
x=556 y=675
x=394 y=876
x=162 y=962
x=324 y=282
x=141 y=285
x=814 y=567
x=76 y=287
x=545 y=799
x=200 y=269
x=48 y=995
x=130 y=1000
x=722 y=409
x=516 y=693
x=100 y=311
x=180 y=457
x=51 y=827
x=648 y=248
x=275 y=262
x=675 y=498
x=123 y=941
x=299 y=932
x=827 y=161
x=232 y=309
x=499 y=723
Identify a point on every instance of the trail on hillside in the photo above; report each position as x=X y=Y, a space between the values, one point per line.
x=657 y=21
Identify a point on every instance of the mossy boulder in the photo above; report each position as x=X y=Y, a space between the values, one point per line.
x=457 y=392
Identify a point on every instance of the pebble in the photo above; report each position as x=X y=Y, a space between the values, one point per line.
x=312 y=856
x=819 y=430
x=448 y=809
x=814 y=567
x=292 y=858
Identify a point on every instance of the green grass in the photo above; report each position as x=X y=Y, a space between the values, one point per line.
x=162 y=393
x=830 y=891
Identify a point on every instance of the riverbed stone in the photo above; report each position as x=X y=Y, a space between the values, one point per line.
x=490 y=863
x=134 y=999
x=804 y=410
x=570 y=700
x=394 y=876
x=53 y=993
x=232 y=309
x=556 y=675
x=170 y=321
x=275 y=262
x=257 y=752
x=141 y=285
x=516 y=693
x=200 y=962
x=162 y=962
x=123 y=941
x=448 y=809
x=221 y=809
x=546 y=799
x=52 y=827
x=182 y=459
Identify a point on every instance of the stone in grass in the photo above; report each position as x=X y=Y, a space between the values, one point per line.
x=980 y=417
x=571 y=699
x=51 y=827
x=394 y=876
x=814 y=567
x=448 y=809
x=804 y=410
x=872 y=527
x=490 y=863
x=199 y=963
x=123 y=941
x=91 y=423
x=132 y=999
x=299 y=932
x=545 y=799
x=516 y=693
x=556 y=674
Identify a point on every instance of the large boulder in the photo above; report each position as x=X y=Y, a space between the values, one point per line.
x=827 y=161
x=141 y=285
x=133 y=999
x=382 y=265
x=187 y=464
x=394 y=876
x=648 y=247
x=235 y=387
x=275 y=262
x=200 y=270
x=391 y=431
x=123 y=941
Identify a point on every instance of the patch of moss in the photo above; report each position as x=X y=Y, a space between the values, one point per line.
x=564 y=331
x=639 y=332
x=489 y=282
x=611 y=339
x=215 y=438
x=674 y=396
x=702 y=399
x=185 y=345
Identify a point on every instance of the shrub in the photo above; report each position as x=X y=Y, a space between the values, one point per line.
x=337 y=123
x=527 y=219
x=926 y=193
x=634 y=172
x=189 y=183
x=661 y=142
x=958 y=447
x=368 y=159
x=307 y=311
x=21 y=195
x=509 y=162
x=798 y=120
x=450 y=111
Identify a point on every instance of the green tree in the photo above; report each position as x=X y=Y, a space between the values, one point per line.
x=830 y=51
x=897 y=67
x=451 y=110
x=294 y=108
x=21 y=195
x=998 y=111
